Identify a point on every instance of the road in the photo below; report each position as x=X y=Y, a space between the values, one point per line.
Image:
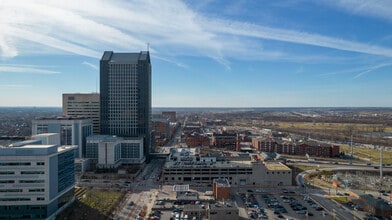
x=143 y=192
x=318 y=195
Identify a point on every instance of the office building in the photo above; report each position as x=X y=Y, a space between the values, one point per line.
x=83 y=105
x=72 y=130
x=109 y=152
x=125 y=96
x=47 y=138
x=36 y=181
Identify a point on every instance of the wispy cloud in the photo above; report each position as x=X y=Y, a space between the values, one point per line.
x=358 y=72
x=25 y=69
x=374 y=8
x=292 y=36
x=95 y=67
x=172 y=28
x=371 y=69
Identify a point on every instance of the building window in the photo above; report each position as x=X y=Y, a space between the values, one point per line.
x=16 y=164
x=40 y=198
x=36 y=190
x=31 y=181
x=32 y=172
x=7 y=181
x=11 y=190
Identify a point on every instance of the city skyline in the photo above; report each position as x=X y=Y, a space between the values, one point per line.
x=204 y=54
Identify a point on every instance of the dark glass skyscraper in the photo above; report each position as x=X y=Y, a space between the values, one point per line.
x=125 y=95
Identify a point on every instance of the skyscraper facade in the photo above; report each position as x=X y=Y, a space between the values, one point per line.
x=125 y=95
x=83 y=105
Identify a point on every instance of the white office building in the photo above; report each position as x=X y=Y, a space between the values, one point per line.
x=36 y=181
x=107 y=151
x=72 y=130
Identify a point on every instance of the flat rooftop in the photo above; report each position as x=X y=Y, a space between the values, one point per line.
x=276 y=166
x=200 y=164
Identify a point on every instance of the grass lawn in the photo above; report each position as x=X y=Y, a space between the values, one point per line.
x=373 y=155
x=340 y=199
x=95 y=204
x=332 y=126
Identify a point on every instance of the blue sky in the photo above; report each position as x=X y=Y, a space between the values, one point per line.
x=227 y=53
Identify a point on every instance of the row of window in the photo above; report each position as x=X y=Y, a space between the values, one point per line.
x=21 y=164
x=279 y=172
x=21 y=190
x=32 y=172
x=20 y=199
x=204 y=173
x=211 y=169
x=22 y=181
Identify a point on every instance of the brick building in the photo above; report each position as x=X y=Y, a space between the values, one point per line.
x=197 y=140
x=302 y=148
x=225 y=140
x=221 y=189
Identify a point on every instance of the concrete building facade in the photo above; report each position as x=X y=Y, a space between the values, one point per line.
x=36 y=181
x=72 y=130
x=241 y=170
x=83 y=105
x=109 y=152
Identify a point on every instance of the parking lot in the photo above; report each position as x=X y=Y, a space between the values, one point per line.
x=263 y=204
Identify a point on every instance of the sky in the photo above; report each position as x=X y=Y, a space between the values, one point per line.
x=207 y=53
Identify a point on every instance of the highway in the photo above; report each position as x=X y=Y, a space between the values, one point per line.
x=318 y=195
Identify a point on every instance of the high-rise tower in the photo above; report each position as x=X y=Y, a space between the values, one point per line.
x=125 y=95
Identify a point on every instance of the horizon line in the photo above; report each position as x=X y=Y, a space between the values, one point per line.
x=217 y=107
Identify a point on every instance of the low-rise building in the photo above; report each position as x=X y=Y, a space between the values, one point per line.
x=242 y=172
x=227 y=141
x=377 y=207
x=220 y=211
x=311 y=148
x=109 y=152
x=221 y=189
x=197 y=140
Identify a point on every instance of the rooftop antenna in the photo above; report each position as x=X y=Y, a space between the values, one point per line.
x=148 y=47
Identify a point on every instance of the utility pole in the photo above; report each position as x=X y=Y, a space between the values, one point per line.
x=381 y=148
x=352 y=149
